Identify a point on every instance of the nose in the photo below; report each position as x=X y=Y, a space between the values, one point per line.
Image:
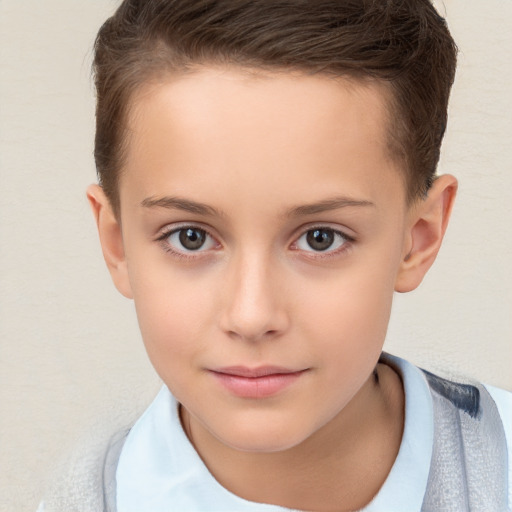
x=253 y=306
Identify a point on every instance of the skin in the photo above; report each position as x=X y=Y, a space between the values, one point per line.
x=268 y=158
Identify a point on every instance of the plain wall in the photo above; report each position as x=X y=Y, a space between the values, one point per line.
x=69 y=343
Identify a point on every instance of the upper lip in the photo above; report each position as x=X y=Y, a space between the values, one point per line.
x=260 y=371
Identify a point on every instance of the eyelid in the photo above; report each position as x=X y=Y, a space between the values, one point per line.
x=168 y=230
x=349 y=240
x=177 y=226
x=344 y=231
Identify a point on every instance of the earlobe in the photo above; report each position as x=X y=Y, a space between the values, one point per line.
x=111 y=238
x=428 y=223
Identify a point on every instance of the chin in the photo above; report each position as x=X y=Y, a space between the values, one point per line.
x=262 y=439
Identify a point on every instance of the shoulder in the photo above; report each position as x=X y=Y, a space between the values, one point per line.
x=473 y=441
x=469 y=427
x=475 y=399
x=78 y=483
x=503 y=400
x=80 y=480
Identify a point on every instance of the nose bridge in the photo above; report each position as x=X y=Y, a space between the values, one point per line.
x=253 y=306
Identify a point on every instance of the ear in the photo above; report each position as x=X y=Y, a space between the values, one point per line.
x=111 y=239
x=427 y=226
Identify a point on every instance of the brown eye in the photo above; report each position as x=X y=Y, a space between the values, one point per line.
x=189 y=241
x=320 y=239
x=192 y=239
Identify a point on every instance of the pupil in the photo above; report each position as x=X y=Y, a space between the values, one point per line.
x=320 y=239
x=192 y=239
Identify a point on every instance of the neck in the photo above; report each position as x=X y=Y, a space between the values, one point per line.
x=344 y=462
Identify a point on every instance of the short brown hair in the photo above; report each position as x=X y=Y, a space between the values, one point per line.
x=405 y=43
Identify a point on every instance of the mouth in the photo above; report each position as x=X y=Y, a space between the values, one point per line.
x=261 y=382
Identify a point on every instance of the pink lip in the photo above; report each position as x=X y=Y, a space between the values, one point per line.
x=261 y=382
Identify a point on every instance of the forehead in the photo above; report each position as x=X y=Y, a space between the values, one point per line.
x=242 y=127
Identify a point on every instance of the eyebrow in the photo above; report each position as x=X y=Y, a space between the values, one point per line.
x=180 y=203
x=333 y=203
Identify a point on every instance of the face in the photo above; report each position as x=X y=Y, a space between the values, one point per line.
x=263 y=225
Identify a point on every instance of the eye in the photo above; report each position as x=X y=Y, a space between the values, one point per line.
x=189 y=239
x=321 y=240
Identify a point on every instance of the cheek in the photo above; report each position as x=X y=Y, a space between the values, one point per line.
x=174 y=309
x=350 y=340
x=349 y=315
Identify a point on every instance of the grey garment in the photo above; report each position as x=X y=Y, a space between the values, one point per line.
x=78 y=482
x=109 y=470
x=469 y=466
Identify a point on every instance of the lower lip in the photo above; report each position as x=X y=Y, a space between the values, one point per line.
x=257 y=387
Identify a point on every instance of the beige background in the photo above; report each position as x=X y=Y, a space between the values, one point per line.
x=69 y=344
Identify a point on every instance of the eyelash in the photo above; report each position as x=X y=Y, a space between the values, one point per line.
x=320 y=255
x=317 y=255
x=184 y=255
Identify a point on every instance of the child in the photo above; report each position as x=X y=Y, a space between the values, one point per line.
x=267 y=182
